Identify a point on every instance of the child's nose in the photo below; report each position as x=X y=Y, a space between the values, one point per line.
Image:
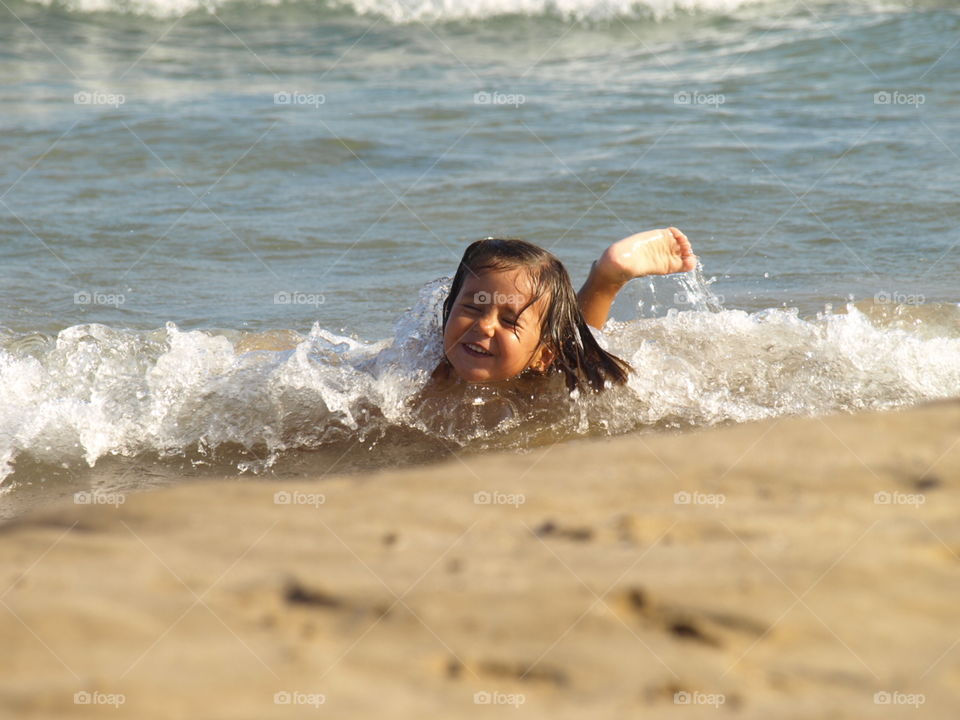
x=487 y=324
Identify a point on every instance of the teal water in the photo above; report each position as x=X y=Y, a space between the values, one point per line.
x=199 y=163
x=199 y=198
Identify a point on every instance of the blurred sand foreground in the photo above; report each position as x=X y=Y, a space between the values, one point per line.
x=751 y=571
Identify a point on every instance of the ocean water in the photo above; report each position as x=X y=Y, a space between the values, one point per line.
x=224 y=225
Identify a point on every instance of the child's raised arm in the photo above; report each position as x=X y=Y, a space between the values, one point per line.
x=655 y=252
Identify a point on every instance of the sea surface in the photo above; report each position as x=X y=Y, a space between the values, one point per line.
x=225 y=225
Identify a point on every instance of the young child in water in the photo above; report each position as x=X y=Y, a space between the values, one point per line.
x=512 y=311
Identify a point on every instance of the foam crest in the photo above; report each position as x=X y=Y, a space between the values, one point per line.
x=95 y=391
x=404 y=11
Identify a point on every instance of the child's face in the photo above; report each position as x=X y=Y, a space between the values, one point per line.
x=485 y=339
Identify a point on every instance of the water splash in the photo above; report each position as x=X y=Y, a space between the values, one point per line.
x=95 y=392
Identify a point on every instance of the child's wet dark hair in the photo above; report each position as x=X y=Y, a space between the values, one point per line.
x=577 y=354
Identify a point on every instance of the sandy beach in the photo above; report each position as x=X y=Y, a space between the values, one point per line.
x=791 y=568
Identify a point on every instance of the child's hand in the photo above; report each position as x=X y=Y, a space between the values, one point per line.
x=655 y=252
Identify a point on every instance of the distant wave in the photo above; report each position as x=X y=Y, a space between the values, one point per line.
x=402 y=11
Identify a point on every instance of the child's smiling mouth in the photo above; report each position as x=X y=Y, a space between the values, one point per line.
x=476 y=351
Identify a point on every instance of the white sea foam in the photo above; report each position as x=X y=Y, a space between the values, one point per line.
x=96 y=391
x=403 y=11
x=407 y=10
